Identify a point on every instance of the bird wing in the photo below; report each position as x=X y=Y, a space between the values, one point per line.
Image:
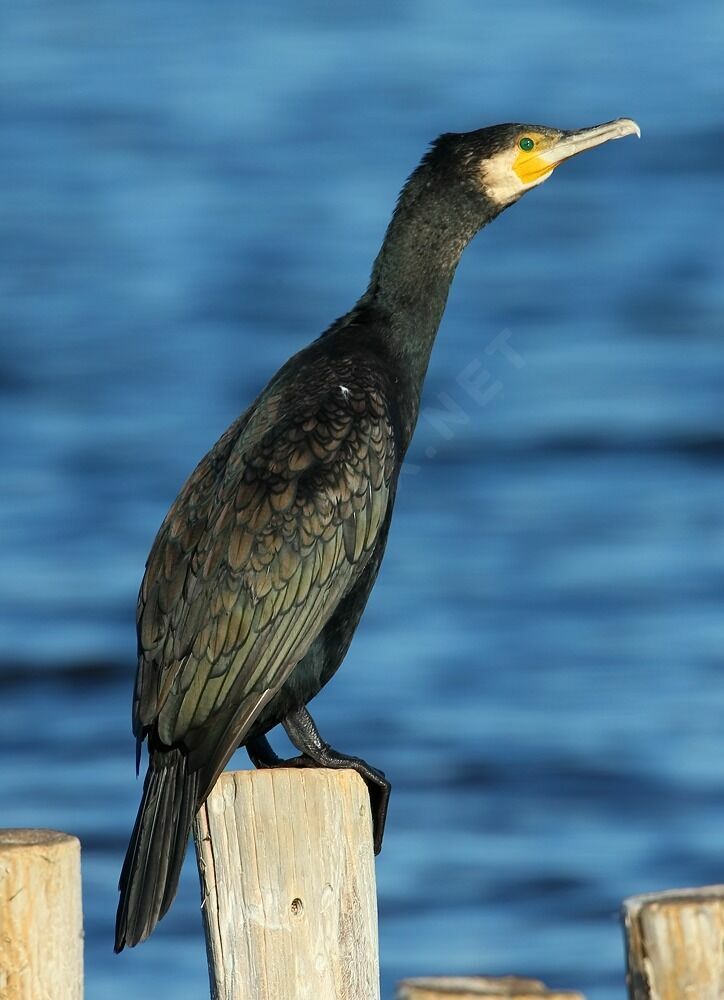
x=269 y=532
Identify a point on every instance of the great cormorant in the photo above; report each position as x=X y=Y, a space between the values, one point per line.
x=262 y=568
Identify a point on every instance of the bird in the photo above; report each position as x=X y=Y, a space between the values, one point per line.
x=260 y=572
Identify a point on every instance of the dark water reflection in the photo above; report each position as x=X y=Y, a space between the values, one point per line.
x=189 y=194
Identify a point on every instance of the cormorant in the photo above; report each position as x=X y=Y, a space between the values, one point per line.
x=262 y=568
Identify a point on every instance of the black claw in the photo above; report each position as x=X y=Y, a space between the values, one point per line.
x=378 y=788
x=379 y=792
x=316 y=753
x=261 y=754
x=301 y=761
x=263 y=757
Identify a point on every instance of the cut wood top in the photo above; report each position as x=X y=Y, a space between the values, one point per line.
x=706 y=893
x=22 y=837
x=475 y=987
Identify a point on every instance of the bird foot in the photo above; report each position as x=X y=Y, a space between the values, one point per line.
x=267 y=762
x=378 y=787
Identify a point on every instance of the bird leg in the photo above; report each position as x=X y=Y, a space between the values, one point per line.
x=261 y=754
x=304 y=734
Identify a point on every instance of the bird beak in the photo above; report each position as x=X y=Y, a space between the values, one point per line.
x=572 y=143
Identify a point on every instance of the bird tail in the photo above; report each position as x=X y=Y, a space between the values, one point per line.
x=151 y=870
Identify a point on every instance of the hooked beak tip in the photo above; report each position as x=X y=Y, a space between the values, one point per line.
x=578 y=141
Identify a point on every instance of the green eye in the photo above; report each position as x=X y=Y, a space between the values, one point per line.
x=526 y=144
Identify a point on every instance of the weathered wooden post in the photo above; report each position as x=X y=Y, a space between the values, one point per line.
x=479 y=988
x=41 y=918
x=675 y=944
x=288 y=886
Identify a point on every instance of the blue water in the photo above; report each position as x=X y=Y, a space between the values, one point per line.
x=188 y=194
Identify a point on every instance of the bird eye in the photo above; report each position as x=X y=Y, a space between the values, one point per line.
x=526 y=144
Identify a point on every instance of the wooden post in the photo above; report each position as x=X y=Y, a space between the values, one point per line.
x=41 y=918
x=477 y=987
x=675 y=944
x=288 y=886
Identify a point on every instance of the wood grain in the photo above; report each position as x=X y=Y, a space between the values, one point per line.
x=288 y=886
x=675 y=944
x=41 y=918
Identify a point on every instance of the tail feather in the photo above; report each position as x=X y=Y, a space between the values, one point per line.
x=187 y=814
x=152 y=866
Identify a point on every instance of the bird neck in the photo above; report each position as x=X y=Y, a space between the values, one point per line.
x=431 y=226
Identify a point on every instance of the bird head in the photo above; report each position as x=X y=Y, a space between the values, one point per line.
x=462 y=183
x=505 y=161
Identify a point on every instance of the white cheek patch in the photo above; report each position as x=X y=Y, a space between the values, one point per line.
x=500 y=181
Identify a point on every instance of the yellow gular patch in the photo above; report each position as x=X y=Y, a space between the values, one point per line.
x=528 y=165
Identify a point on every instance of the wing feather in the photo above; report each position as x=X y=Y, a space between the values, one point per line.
x=267 y=535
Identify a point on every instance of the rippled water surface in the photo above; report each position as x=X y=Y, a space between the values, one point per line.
x=188 y=194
